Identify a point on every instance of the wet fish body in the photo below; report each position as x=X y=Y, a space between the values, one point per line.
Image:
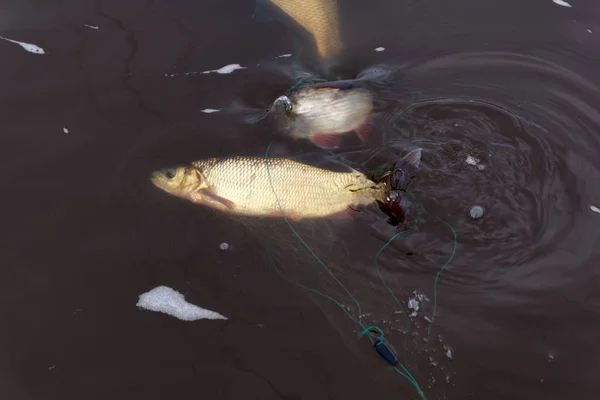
x=276 y=187
x=321 y=113
x=319 y=18
x=250 y=186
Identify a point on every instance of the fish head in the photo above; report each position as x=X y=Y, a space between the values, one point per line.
x=179 y=181
x=283 y=106
x=283 y=102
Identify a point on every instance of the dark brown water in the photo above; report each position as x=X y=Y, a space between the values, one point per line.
x=513 y=84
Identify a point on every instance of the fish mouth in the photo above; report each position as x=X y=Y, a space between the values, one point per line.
x=158 y=179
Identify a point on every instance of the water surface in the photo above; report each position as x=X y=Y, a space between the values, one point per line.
x=514 y=86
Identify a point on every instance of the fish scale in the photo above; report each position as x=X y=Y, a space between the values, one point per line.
x=266 y=187
x=302 y=190
x=320 y=18
x=330 y=110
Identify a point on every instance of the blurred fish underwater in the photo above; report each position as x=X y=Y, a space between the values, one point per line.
x=317 y=20
x=322 y=111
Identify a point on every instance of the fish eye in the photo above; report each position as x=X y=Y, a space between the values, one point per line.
x=170 y=173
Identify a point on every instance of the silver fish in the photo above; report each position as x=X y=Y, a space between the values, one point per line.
x=274 y=187
x=322 y=112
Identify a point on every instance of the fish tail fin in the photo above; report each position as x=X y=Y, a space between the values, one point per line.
x=394 y=181
x=328 y=141
x=396 y=175
x=264 y=12
x=395 y=207
x=363 y=132
x=405 y=168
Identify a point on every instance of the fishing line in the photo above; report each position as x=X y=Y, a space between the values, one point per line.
x=300 y=82
x=437 y=276
x=378 y=340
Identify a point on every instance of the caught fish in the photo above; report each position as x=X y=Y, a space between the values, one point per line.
x=275 y=187
x=322 y=112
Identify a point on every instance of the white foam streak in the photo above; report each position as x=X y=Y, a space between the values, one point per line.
x=32 y=48
x=166 y=300
x=561 y=3
x=226 y=69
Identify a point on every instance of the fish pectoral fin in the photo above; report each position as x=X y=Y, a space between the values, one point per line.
x=349 y=212
x=364 y=131
x=283 y=214
x=326 y=140
x=264 y=12
x=211 y=194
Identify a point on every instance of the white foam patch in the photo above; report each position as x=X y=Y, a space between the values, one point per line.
x=380 y=49
x=561 y=3
x=589 y=31
x=284 y=56
x=472 y=160
x=65 y=130
x=413 y=304
x=91 y=26
x=210 y=110
x=226 y=69
x=594 y=209
x=166 y=300
x=32 y=48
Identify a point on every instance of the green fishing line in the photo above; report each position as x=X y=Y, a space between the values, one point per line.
x=368 y=331
x=437 y=276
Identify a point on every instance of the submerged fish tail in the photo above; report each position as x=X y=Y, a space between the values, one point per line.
x=318 y=18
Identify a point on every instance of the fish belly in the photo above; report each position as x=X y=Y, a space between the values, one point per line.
x=332 y=114
x=286 y=187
